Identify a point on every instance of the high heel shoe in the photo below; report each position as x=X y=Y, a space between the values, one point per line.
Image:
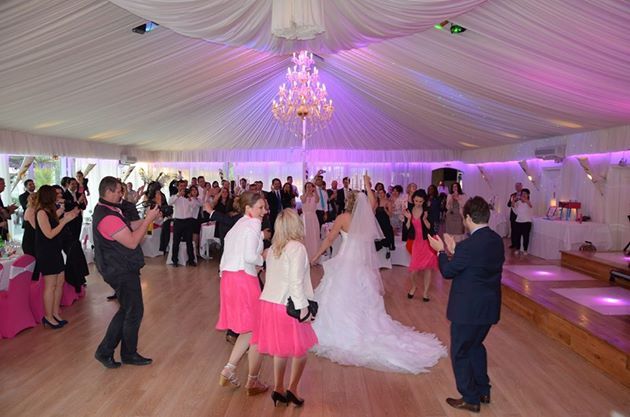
x=45 y=323
x=228 y=374
x=254 y=386
x=295 y=400
x=61 y=321
x=277 y=397
x=410 y=295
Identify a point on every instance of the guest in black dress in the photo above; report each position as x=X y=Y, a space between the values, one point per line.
x=225 y=205
x=434 y=204
x=76 y=268
x=383 y=213
x=287 y=196
x=28 y=239
x=30 y=224
x=48 y=245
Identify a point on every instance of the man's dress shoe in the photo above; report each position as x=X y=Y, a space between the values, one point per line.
x=136 y=359
x=463 y=405
x=107 y=361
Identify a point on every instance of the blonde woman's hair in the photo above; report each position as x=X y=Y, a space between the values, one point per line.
x=32 y=201
x=288 y=227
x=352 y=198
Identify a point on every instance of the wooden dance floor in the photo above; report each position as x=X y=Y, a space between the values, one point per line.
x=53 y=373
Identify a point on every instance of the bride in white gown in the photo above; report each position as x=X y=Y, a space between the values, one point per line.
x=352 y=325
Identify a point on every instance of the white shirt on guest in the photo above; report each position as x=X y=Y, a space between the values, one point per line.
x=288 y=275
x=184 y=208
x=524 y=213
x=243 y=247
x=202 y=194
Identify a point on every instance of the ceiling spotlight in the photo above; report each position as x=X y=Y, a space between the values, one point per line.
x=441 y=25
x=144 y=28
x=455 y=29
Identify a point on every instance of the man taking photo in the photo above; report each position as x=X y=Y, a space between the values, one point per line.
x=119 y=258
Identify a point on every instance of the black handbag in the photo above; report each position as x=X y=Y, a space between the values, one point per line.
x=295 y=313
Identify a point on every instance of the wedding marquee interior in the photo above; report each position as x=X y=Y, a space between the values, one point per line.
x=495 y=91
x=195 y=93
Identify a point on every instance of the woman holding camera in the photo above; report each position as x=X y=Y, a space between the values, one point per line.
x=276 y=333
x=48 y=245
x=242 y=258
x=524 y=215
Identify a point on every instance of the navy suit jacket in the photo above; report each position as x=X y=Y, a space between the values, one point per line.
x=475 y=269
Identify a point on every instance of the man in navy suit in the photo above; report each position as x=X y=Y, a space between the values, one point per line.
x=274 y=198
x=474 y=303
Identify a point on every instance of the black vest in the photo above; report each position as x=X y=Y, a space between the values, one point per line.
x=111 y=257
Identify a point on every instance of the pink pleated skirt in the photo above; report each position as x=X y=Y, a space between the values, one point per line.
x=278 y=334
x=422 y=256
x=239 y=295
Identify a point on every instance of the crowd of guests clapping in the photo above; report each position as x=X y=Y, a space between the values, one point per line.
x=52 y=222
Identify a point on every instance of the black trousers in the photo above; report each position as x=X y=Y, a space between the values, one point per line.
x=522 y=230
x=125 y=324
x=469 y=360
x=513 y=227
x=165 y=235
x=183 y=229
x=320 y=216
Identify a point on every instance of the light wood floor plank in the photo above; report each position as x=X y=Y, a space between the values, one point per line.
x=53 y=373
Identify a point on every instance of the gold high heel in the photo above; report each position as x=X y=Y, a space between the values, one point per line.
x=255 y=386
x=228 y=374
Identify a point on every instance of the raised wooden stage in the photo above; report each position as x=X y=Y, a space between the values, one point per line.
x=603 y=340
x=596 y=264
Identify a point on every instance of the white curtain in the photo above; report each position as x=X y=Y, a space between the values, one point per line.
x=103 y=168
x=297 y=19
x=617 y=205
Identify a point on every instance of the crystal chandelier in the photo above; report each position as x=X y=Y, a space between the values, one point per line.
x=302 y=100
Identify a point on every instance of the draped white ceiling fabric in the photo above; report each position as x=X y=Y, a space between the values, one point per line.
x=203 y=81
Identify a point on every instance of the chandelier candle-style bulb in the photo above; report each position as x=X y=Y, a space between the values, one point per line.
x=303 y=103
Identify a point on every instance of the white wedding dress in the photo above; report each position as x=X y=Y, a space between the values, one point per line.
x=352 y=325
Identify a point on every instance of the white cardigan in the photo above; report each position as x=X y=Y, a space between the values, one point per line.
x=288 y=275
x=243 y=247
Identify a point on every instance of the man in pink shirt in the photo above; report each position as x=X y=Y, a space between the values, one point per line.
x=119 y=258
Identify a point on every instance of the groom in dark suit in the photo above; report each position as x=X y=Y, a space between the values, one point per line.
x=474 y=303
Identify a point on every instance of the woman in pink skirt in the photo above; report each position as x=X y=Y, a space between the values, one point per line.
x=240 y=290
x=423 y=258
x=277 y=333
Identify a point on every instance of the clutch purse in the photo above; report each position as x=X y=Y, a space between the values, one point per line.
x=295 y=313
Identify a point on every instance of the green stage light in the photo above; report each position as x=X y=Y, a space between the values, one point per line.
x=455 y=29
x=441 y=25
